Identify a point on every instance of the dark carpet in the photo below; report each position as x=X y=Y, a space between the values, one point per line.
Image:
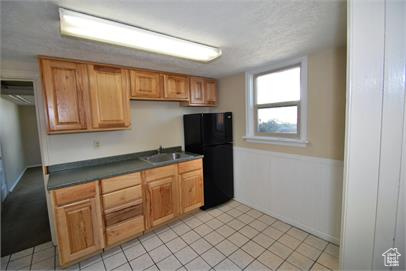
x=24 y=216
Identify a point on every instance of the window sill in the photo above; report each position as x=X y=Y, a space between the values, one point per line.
x=277 y=141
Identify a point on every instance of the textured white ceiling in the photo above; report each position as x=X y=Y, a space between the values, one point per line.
x=250 y=33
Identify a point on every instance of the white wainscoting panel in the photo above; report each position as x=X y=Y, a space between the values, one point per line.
x=303 y=191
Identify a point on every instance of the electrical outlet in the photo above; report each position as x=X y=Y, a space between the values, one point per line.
x=96 y=143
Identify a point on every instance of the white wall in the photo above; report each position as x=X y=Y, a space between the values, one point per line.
x=301 y=186
x=29 y=135
x=153 y=124
x=11 y=143
x=301 y=190
x=373 y=176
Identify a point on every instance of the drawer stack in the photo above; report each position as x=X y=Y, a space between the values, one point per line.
x=123 y=207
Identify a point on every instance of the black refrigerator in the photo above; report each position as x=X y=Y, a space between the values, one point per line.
x=211 y=134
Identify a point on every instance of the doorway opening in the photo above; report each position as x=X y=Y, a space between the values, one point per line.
x=24 y=216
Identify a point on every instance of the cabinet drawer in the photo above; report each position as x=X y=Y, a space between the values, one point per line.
x=75 y=193
x=190 y=165
x=124 y=230
x=120 y=182
x=124 y=196
x=161 y=172
x=123 y=214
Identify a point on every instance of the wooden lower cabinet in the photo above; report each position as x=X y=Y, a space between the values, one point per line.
x=191 y=184
x=88 y=220
x=161 y=200
x=80 y=230
x=161 y=195
x=124 y=230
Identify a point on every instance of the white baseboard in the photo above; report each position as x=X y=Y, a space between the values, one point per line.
x=294 y=223
x=21 y=175
x=36 y=165
x=301 y=190
x=17 y=180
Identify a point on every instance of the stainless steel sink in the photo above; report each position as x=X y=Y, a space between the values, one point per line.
x=164 y=157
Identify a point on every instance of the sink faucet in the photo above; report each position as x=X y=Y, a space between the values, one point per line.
x=160 y=149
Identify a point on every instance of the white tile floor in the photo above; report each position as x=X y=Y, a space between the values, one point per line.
x=230 y=237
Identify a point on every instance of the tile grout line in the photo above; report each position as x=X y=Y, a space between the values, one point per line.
x=32 y=258
x=249 y=239
x=125 y=256
x=205 y=220
x=188 y=245
x=146 y=252
x=275 y=240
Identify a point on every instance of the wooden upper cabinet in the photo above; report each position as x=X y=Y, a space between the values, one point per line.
x=211 y=92
x=145 y=85
x=65 y=94
x=203 y=92
x=176 y=87
x=197 y=90
x=109 y=96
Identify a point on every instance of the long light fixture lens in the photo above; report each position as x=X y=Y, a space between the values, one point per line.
x=93 y=28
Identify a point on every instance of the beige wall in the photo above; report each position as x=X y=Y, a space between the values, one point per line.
x=29 y=135
x=11 y=143
x=326 y=106
x=153 y=124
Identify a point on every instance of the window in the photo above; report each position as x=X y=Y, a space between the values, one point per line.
x=276 y=104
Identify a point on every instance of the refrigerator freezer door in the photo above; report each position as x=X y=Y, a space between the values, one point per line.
x=217 y=128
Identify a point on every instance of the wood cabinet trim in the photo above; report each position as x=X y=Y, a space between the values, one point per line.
x=75 y=193
x=156 y=85
x=67 y=256
x=120 y=182
x=114 y=116
x=174 y=198
x=117 y=198
x=124 y=230
x=180 y=95
x=190 y=165
x=112 y=65
x=85 y=104
x=129 y=218
x=50 y=91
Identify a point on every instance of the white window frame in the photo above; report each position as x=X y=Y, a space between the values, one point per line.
x=250 y=131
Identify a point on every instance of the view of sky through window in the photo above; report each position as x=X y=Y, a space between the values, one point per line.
x=277 y=120
x=281 y=86
x=278 y=87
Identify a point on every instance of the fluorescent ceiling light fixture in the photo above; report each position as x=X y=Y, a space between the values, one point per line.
x=94 y=28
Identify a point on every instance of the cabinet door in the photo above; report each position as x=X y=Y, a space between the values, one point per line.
x=64 y=94
x=191 y=184
x=162 y=200
x=211 y=92
x=197 y=90
x=109 y=97
x=79 y=230
x=145 y=85
x=176 y=87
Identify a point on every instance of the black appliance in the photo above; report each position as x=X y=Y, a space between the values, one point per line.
x=211 y=134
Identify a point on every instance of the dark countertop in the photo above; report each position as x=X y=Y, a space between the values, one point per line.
x=114 y=167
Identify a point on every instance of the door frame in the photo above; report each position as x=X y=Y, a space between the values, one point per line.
x=24 y=75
